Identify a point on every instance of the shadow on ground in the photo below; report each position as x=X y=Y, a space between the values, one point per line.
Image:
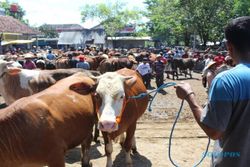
x=138 y=160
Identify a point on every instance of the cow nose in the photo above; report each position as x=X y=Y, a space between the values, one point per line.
x=107 y=126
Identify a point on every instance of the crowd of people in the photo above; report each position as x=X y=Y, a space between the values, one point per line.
x=150 y=63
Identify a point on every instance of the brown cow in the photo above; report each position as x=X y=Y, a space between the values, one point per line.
x=16 y=83
x=39 y=129
x=94 y=61
x=114 y=64
x=117 y=112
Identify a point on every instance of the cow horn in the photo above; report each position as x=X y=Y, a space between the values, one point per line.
x=126 y=77
x=129 y=80
x=95 y=78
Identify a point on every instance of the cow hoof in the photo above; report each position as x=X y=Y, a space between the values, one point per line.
x=129 y=165
x=87 y=165
x=97 y=141
x=134 y=151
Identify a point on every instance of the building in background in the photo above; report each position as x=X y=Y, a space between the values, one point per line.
x=14 y=33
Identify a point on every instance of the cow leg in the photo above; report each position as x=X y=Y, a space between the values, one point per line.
x=108 y=149
x=122 y=139
x=128 y=144
x=190 y=73
x=96 y=133
x=85 y=147
x=59 y=162
x=134 y=148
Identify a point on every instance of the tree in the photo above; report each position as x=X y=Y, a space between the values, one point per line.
x=113 y=16
x=18 y=14
x=48 y=31
x=174 y=21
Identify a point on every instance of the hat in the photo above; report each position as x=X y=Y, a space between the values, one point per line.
x=158 y=55
x=81 y=58
x=28 y=56
x=228 y=58
x=211 y=63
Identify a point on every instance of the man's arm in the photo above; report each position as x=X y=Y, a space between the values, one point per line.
x=185 y=92
x=197 y=110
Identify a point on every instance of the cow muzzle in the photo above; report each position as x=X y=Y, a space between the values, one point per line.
x=108 y=126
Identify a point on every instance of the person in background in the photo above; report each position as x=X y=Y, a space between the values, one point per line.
x=82 y=63
x=159 y=66
x=145 y=71
x=29 y=64
x=227 y=113
x=50 y=56
x=72 y=60
x=219 y=59
x=208 y=74
x=227 y=64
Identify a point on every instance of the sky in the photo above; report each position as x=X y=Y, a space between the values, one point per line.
x=39 y=12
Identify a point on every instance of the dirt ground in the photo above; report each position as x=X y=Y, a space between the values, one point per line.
x=152 y=135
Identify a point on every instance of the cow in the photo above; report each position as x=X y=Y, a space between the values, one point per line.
x=39 y=129
x=117 y=111
x=16 y=83
x=62 y=63
x=94 y=61
x=184 y=65
x=114 y=64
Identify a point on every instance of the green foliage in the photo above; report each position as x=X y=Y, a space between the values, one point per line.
x=174 y=21
x=48 y=31
x=18 y=15
x=113 y=16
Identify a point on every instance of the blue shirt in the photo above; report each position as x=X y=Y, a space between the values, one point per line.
x=83 y=65
x=50 y=56
x=228 y=111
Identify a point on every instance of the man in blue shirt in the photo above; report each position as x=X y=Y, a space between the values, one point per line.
x=82 y=64
x=227 y=114
x=51 y=56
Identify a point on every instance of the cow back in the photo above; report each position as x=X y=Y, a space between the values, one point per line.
x=38 y=127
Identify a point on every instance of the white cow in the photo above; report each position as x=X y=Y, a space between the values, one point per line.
x=117 y=112
x=16 y=83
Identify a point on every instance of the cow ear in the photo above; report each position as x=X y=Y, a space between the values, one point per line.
x=13 y=70
x=130 y=80
x=82 y=88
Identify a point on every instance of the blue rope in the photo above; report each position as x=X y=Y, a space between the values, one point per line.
x=171 y=136
x=142 y=95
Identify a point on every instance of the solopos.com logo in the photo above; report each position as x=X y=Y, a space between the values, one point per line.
x=223 y=154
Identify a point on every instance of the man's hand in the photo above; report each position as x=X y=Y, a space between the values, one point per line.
x=183 y=90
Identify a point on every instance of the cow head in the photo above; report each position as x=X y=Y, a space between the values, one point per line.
x=111 y=90
x=8 y=67
x=110 y=97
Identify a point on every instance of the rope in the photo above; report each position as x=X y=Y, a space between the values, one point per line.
x=142 y=95
x=171 y=136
